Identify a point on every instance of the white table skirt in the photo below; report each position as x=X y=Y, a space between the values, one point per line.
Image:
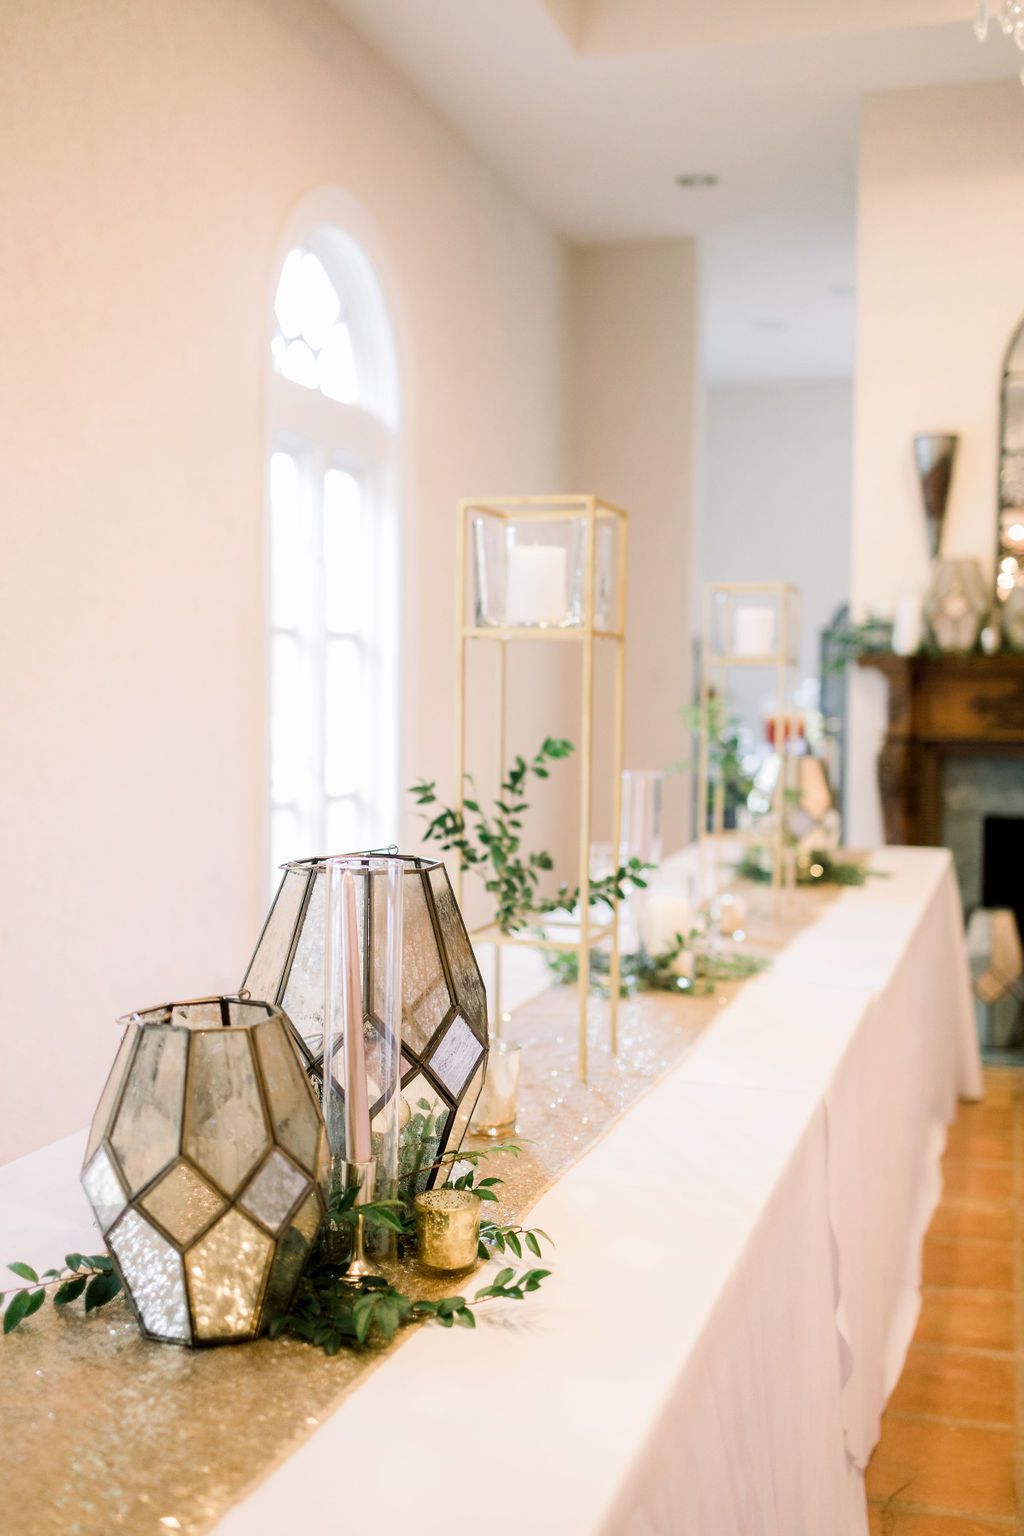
x=736 y=1276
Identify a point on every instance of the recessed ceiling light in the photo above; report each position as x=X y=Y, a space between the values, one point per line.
x=698 y=179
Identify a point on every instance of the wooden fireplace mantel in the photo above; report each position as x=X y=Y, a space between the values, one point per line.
x=941 y=706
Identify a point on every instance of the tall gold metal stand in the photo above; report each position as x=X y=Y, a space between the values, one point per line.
x=718 y=657
x=585 y=635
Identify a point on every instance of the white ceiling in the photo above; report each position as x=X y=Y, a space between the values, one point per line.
x=591 y=108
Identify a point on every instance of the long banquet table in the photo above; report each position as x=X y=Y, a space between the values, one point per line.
x=735 y=1283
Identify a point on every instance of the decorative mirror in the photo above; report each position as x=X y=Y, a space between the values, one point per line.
x=1010 y=541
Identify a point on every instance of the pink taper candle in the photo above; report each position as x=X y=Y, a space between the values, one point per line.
x=357 y=1110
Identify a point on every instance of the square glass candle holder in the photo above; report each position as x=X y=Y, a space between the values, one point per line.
x=498 y=1104
x=548 y=563
x=642 y=790
x=752 y=622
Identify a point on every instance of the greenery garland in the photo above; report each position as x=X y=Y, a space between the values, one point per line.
x=326 y=1312
x=660 y=973
x=817 y=867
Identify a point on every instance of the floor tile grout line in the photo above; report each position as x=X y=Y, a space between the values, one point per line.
x=975 y=1242
x=900 y=1506
x=972 y=1291
x=965 y=1349
x=977 y=1352
x=902 y=1416
x=976 y=1162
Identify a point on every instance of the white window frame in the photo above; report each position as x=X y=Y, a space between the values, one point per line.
x=364 y=440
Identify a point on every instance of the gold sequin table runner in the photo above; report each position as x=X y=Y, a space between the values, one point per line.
x=102 y=1431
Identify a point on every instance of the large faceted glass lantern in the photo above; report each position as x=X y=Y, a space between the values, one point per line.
x=207 y=1168
x=444 y=1005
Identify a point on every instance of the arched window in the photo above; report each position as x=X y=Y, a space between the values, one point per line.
x=334 y=416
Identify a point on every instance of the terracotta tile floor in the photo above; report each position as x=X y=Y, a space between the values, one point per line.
x=950 y=1461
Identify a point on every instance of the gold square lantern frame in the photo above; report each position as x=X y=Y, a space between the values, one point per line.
x=444 y=1004
x=207 y=1168
x=748 y=624
x=542 y=570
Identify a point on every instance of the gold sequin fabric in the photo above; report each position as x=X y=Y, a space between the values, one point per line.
x=103 y=1431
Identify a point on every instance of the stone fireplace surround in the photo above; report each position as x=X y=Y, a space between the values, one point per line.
x=953 y=755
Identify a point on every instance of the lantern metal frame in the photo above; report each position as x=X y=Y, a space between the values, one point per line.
x=418 y=1060
x=716 y=662
x=302 y=1216
x=591 y=511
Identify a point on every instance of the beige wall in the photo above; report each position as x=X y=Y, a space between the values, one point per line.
x=153 y=153
x=777 y=494
x=633 y=430
x=940 y=289
x=777 y=506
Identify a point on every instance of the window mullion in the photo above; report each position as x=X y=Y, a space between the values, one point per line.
x=318 y=643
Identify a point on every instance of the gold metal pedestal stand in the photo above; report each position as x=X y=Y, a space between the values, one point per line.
x=719 y=656
x=594 y=513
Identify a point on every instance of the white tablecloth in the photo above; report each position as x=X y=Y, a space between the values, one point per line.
x=736 y=1277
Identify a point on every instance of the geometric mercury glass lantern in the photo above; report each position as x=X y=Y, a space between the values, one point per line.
x=207 y=1168
x=444 y=1005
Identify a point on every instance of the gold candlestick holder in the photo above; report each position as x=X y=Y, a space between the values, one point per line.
x=362 y=1178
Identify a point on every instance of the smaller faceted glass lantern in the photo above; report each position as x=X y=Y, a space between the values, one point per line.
x=544 y=563
x=956 y=604
x=207 y=1168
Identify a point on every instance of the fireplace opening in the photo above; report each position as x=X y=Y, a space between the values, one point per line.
x=1002 y=864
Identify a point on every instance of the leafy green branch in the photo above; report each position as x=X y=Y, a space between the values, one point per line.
x=494 y=1236
x=90 y=1274
x=332 y=1316
x=847 y=641
x=489 y=844
x=342 y=1210
x=725 y=753
x=499 y=1239
x=475 y=1155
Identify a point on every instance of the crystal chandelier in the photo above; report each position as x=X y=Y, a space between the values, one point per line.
x=1007 y=14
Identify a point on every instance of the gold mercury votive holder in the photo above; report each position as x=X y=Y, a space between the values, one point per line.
x=495 y=1112
x=447 y=1229
x=732 y=916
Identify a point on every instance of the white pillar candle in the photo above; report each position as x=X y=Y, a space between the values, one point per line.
x=906 y=629
x=667 y=916
x=536 y=591
x=753 y=632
